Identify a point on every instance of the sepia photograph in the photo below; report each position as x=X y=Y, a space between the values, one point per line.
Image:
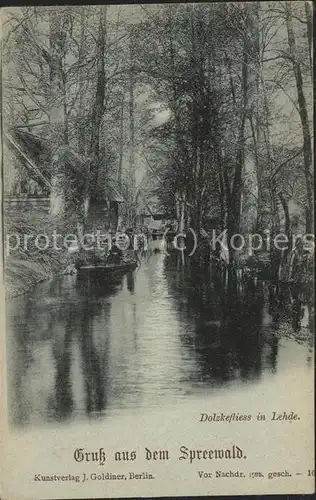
x=158 y=237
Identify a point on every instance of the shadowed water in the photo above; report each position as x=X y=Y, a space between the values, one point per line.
x=79 y=349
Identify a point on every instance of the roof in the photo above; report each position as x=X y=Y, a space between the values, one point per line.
x=154 y=225
x=36 y=155
x=32 y=153
x=149 y=205
x=36 y=147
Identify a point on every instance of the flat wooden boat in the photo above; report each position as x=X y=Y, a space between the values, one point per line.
x=107 y=269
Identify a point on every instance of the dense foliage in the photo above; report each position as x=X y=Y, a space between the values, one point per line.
x=208 y=105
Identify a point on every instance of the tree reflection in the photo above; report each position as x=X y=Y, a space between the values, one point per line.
x=229 y=341
x=80 y=330
x=95 y=384
x=63 y=401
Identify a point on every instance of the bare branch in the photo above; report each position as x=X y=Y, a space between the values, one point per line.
x=32 y=97
x=278 y=168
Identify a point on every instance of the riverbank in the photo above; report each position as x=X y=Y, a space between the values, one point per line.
x=21 y=276
x=27 y=264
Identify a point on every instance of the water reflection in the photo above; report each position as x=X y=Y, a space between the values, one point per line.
x=81 y=347
x=228 y=333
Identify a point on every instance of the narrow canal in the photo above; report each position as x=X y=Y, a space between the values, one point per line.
x=158 y=336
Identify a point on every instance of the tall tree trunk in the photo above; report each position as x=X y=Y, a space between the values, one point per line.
x=234 y=206
x=221 y=200
x=255 y=132
x=58 y=23
x=255 y=116
x=98 y=107
x=237 y=185
x=121 y=142
x=181 y=216
x=82 y=45
x=132 y=166
x=270 y=166
x=285 y=207
x=174 y=100
x=307 y=143
x=309 y=21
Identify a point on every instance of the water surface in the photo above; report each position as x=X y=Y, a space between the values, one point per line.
x=81 y=349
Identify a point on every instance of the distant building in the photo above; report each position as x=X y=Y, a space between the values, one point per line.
x=150 y=213
x=104 y=212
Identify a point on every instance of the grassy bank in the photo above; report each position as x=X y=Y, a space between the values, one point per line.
x=27 y=265
x=22 y=275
